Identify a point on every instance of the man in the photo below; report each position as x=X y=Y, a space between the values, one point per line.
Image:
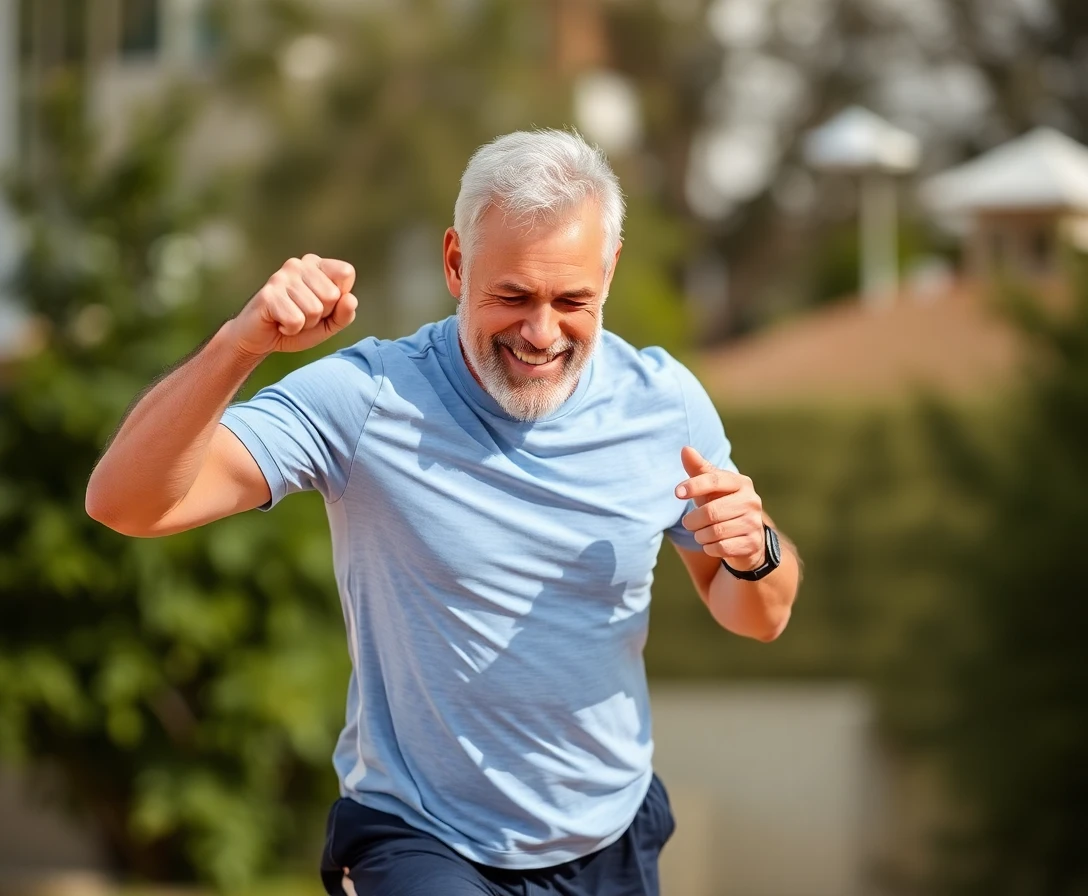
x=497 y=485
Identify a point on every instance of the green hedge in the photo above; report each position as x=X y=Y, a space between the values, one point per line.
x=860 y=492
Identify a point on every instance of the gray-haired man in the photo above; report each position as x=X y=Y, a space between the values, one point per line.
x=497 y=485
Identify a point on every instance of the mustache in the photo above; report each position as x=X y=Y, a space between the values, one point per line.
x=518 y=344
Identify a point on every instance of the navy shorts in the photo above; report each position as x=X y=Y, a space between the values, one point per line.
x=387 y=857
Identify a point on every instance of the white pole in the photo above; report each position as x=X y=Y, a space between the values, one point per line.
x=878 y=237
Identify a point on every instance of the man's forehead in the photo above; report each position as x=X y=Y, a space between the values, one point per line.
x=580 y=223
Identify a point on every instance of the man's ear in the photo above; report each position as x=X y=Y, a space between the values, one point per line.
x=612 y=272
x=452 y=262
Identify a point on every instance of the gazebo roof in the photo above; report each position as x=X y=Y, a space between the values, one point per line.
x=1041 y=170
x=858 y=140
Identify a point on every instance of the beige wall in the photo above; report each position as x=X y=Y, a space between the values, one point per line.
x=774 y=787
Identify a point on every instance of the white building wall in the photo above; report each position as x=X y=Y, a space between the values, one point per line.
x=774 y=787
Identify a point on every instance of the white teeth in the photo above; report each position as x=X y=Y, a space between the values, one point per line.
x=535 y=360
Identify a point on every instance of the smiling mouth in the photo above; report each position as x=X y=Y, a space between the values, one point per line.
x=533 y=362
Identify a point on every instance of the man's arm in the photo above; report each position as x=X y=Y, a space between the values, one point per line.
x=757 y=610
x=171 y=466
x=728 y=522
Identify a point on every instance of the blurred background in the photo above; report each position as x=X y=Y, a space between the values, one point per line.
x=861 y=222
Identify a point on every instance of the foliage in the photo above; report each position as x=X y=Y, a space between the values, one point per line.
x=859 y=490
x=944 y=554
x=1012 y=725
x=186 y=689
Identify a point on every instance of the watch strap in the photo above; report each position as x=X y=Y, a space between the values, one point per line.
x=772 y=559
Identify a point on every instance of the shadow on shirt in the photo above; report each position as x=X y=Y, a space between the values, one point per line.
x=573 y=668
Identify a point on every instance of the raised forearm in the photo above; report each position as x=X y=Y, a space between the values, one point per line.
x=760 y=609
x=159 y=449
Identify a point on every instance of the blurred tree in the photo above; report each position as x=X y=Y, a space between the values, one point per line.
x=1000 y=700
x=1031 y=58
x=187 y=690
x=730 y=87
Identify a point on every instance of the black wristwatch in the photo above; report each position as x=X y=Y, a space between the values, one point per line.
x=772 y=558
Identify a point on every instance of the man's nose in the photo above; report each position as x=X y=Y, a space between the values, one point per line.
x=540 y=327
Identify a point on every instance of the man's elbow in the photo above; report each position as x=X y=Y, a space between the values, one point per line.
x=97 y=507
x=774 y=629
x=106 y=512
x=105 y=515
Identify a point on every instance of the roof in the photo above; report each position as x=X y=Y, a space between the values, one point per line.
x=1043 y=169
x=956 y=345
x=858 y=140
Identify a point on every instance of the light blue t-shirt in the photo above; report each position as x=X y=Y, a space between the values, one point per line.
x=495 y=580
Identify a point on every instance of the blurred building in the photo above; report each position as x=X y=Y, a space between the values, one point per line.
x=1018 y=203
x=1015 y=210
x=946 y=339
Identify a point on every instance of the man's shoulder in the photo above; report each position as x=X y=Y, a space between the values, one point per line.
x=654 y=366
x=375 y=353
x=430 y=337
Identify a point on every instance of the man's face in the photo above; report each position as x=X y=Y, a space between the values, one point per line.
x=530 y=315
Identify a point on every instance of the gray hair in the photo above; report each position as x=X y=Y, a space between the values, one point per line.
x=534 y=175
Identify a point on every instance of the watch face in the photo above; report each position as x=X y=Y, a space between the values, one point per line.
x=774 y=550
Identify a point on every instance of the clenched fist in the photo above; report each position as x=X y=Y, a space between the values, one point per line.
x=728 y=518
x=305 y=302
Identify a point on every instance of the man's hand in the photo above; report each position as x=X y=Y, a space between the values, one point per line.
x=728 y=519
x=304 y=303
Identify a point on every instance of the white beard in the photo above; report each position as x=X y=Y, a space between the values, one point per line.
x=523 y=398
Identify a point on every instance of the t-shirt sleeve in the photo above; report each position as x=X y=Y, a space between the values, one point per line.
x=304 y=430
x=707 y=436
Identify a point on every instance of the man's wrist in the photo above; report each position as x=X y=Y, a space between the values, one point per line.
x=244 y=361
x=770 y=561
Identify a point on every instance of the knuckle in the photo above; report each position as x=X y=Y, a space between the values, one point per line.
x=311 y=259
x=292 y=264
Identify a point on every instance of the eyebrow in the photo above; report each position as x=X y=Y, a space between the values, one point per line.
x=586 y=292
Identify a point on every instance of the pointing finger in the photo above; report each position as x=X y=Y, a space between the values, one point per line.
x=719 y=482
x=694 y=463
